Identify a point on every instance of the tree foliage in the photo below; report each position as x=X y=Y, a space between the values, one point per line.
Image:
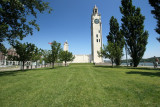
x=117 y=39
x=114 y=49
x=46 y=56
x=36 y=55
x=3 y=49
x=56 y=48
x=66 y=56
x=133 y=30
x=156 y=11
x=108 y=51
x=24 y=52
x=14 y=23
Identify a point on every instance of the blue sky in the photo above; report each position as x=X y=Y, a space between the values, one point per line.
x=71 y=20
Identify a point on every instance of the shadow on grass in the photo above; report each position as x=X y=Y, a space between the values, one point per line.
x=145 y=73
x=12 y=73
x=125 y=67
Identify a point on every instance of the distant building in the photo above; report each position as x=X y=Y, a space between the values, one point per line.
x=96 y=35
x=78 y=58
x=96 y=41
x=82 y=59
x=65 y=46
x=3 y=59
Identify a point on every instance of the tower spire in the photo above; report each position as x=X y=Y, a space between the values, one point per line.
x=95 y=6
x=95 y=10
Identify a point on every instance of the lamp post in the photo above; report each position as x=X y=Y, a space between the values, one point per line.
x=126 y=54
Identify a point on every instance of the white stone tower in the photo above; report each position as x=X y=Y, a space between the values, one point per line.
x=65 y=46
x=96 y=35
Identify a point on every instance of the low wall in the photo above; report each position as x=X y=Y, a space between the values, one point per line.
x=82 y=59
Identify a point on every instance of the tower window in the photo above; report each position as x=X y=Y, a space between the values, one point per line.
x=95 y=10
x=97 y=35
x=97 y=40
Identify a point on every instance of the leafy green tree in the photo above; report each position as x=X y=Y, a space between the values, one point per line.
x=117 y=39
x=133 y=30
x=46 y=54
x=66 y=56
x=41 y=62
x=14 y=23
x=24 y=52
x=156 y=11
x=50 y=58
x=36 y=55
x=108 y=51
x=3 y=50
x=56 y=48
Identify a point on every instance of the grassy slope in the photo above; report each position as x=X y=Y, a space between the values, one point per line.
x=80 y=85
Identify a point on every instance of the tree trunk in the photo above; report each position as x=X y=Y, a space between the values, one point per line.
x=136 y=60
x=23 y=65
x=65 y=63
x=36 y=64
x=126 y=55
x=31 y=65
x=135 y=64
x=52 y=64
x=118 y=61
x=112 y=62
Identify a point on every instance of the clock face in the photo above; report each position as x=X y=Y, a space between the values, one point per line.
x=96 y=21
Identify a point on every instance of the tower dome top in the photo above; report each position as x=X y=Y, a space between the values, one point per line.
x=66 y=42
x=95 y=10
x=95 y=7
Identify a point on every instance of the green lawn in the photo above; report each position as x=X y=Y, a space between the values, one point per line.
x=81 y=85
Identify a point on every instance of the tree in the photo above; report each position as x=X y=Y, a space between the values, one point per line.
x=3 y=50
x=117 y=39
x=24 y=52
x=36 y=55
x=46 y=54
x=133 y=30
x=66 y=56
x=108 y=51
x=156 y=5
x=14 y=23
x=56 y=48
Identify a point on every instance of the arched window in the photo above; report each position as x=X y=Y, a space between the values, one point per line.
x=95 y=10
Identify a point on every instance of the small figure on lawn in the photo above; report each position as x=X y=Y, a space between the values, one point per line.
x=155 y=62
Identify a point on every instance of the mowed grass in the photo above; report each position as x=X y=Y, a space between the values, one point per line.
x=81 y=85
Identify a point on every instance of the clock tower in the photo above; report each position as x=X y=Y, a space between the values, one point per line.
x=96 y=35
